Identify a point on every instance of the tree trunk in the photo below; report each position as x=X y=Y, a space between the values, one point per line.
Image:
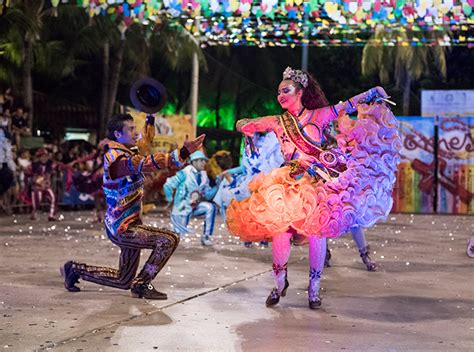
x=4 y=7
x=27 y=77
x=180 y=96
x=238 y=107
x=143 y=69
x=194 y=92
x=115 y=78
x=218 y=107
x=104 y=94
x=218 y=101
x=406 y=94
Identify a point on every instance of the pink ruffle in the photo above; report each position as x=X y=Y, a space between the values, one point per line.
x=359 y=197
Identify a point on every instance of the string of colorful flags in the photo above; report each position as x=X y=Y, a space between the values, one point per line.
x=297 y=22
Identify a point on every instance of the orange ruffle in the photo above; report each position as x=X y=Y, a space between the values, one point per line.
x=359 y=197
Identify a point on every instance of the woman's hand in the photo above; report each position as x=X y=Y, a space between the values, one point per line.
x=243 y=127
x=371 y=95
x=241 y=123
x=381 y=92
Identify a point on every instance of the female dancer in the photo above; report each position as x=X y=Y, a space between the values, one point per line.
x=318 y=193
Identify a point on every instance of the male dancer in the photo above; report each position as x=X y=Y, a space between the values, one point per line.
x=123 y=188
x=192 y=197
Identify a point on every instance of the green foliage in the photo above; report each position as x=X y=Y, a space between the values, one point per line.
x=402 y=65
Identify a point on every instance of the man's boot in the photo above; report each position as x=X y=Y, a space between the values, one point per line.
x=70 y=277
x=147 y=291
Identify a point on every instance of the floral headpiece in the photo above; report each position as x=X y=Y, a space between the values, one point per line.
x=297 y=76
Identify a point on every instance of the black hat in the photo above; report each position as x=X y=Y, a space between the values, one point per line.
x=148 y=95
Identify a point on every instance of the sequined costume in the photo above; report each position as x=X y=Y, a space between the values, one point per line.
x=123 y=184
x=322 y=192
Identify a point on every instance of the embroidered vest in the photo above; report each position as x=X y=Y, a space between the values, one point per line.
x=123 y=195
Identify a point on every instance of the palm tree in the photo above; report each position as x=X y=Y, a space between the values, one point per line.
x=113 y=46
x=87 y=42
x=134 y=48
x=23 y=22
x=55 y=47
x=174 y=46
x=406 y=63
x=10 y=42
x=38 y=44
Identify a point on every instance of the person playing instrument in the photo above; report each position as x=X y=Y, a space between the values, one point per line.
x=190 y=195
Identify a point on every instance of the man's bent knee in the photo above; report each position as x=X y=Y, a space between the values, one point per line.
x=170 y=240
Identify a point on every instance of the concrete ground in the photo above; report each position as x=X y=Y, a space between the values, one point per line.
x=421 y=299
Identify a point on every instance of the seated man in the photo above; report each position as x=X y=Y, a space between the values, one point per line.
x=192 y=191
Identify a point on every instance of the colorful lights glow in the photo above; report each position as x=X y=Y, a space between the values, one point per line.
x=298 y=22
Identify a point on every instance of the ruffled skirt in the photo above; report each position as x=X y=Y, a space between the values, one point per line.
x=360 y=196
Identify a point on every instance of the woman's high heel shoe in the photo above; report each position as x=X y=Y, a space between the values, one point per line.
x=280 y=275
x=314 y=301
x=369 y=263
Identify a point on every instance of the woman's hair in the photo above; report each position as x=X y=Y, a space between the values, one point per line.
x=313 y=96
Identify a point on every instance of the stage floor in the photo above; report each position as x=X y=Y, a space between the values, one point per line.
x=421 y=298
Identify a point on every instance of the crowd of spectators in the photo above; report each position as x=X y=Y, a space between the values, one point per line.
x=16 y=159
x=14 y=117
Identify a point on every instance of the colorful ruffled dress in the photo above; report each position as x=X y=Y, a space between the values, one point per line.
x=269 y=157
x=322 y=192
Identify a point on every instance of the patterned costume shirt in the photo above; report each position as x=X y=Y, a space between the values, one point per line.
x=124 y=194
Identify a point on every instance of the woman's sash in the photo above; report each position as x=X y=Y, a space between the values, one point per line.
x=292 y=130
x=326 y=159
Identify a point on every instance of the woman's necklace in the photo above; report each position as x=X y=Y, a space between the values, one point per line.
x=300 y=112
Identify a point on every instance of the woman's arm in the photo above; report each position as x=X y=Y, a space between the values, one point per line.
x=328 y=113
x=259 y=124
